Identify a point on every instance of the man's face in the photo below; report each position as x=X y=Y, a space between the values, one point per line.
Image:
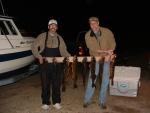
x=53 y=27
x=94 y=26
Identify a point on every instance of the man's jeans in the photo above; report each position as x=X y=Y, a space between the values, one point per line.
x=104 y=86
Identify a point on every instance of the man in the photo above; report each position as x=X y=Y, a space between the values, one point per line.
x=100 y=42
x=50 y=44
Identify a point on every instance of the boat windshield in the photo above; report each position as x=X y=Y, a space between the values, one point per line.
x=6 y=28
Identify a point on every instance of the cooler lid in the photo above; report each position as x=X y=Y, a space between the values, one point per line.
x=127 y=73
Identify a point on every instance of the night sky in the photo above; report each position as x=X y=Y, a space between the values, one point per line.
x=129 y=20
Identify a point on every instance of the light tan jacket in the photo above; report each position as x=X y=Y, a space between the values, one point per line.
x=51 y=43
x=107 y=42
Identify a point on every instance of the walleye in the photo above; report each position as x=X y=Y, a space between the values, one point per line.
x=112 y=68
x=55 y=69
x=44 y=73
x=66 y=71
x=75 y=71
x=92 y=67
x=101 y=66
x=84 y=70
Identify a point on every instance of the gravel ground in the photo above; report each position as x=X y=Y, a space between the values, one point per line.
x=24 y=96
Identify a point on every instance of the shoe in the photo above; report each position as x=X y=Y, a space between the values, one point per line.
x=57 y=106
x=103 y=105
x=85 y=104
x=45 y=106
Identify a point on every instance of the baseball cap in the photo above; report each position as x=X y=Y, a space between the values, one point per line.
x=93 y=19
x=52 y=21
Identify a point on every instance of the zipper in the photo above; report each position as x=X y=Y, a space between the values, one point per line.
x=98 y=40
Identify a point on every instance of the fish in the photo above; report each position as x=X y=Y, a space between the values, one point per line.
x=112 y=67
x=84 y=70
x=101 y=66
x=66 y=72
x=55 y=67
x=75 y=71
x=44 y=73
x=92 y=67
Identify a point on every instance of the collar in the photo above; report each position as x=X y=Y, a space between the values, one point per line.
x=93 y=34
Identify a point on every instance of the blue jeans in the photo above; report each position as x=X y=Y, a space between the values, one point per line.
x=104 y=86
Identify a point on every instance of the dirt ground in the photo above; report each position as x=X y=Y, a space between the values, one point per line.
x=24 y=96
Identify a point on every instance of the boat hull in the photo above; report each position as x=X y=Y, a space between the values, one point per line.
x=15 y=61
x=16 y=58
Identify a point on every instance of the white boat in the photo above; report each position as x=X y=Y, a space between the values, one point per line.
x=15 y=52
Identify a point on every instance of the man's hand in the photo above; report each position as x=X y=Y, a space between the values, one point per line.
x=107 y=58
x=41 y=59
x=110 y=52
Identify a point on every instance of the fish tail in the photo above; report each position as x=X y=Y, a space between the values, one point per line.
x=63 y=88
x=75 y=86
x=84 y=86
x=93 y=85
x=100 y=81
x=112 y=82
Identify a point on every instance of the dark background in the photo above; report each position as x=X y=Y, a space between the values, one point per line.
x=129 y=20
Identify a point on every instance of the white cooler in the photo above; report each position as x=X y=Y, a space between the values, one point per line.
x=126 y=81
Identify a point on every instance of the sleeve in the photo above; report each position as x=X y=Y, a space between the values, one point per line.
x=112 y=41
x=34 y=47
